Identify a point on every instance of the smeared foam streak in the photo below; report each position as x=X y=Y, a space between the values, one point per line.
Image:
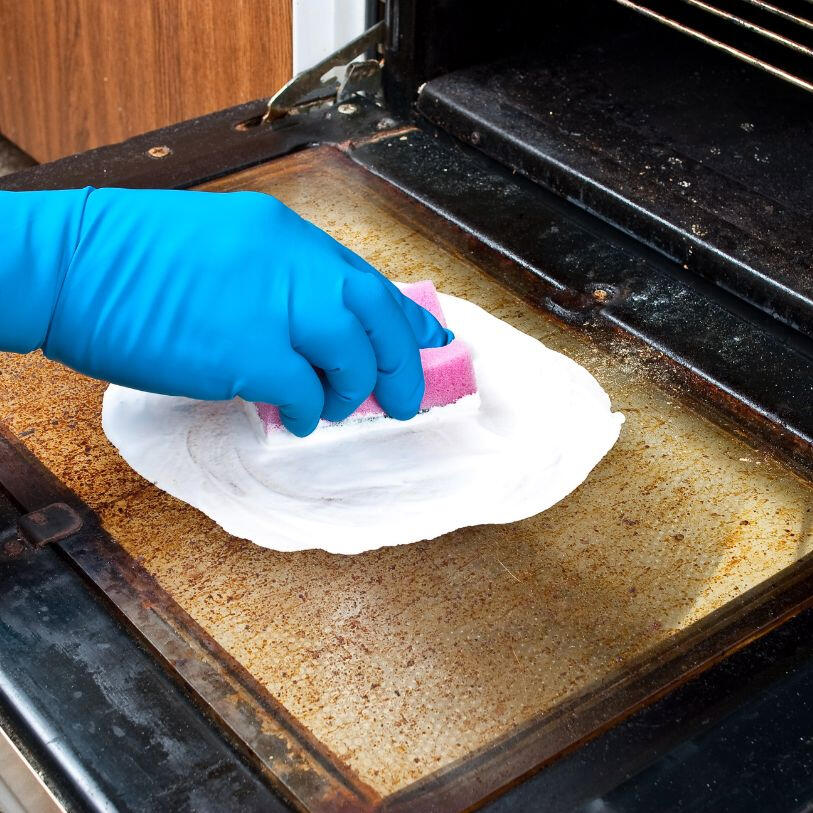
x=537 y=427
x=374 y=422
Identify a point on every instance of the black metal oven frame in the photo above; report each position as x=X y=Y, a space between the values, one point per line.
x=587 y=271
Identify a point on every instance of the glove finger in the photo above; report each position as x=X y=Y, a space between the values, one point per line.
x=338 y=345
x=427 y=330
x=292 y=384
x=399 y=385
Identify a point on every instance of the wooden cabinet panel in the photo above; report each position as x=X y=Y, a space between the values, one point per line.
x=75 y=74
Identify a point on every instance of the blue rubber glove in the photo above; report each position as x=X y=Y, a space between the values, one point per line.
x=209 y=296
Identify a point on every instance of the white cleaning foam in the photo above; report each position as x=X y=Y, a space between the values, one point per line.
x=537 y=427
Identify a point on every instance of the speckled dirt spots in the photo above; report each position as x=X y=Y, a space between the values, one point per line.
x=405 y=659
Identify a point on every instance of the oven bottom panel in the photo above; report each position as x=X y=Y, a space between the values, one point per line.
x=435 y=674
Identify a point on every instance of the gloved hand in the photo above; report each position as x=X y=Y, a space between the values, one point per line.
x=209 y=296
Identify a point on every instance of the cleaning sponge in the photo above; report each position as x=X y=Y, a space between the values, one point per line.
x=448 y=371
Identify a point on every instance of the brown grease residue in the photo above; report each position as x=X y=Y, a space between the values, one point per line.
x=404 y=659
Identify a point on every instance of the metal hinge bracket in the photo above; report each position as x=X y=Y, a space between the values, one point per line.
x=310 y=80
x=50 y=524
x=38 y=529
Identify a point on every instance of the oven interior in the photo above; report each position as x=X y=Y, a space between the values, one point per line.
x=686 y=124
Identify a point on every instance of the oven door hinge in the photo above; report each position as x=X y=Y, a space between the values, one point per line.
x=53 y=523
x=362 y=77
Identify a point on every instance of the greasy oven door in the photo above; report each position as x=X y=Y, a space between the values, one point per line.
x=435 y=675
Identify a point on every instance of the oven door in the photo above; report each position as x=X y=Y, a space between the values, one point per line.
x=434 y=676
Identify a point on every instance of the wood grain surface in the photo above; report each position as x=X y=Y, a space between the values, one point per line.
x=75 y=74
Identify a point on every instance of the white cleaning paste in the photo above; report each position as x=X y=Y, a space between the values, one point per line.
x=538 y=425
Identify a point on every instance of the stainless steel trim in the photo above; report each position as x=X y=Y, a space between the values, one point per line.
x=21 y=788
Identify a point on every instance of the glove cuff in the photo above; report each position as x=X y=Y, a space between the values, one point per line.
x=39 y=232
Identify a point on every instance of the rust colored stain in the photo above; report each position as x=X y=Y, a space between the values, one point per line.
x=403 y=660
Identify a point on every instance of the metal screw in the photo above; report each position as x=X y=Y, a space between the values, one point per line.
x=604 y=292
x=159 y=152
x=347 y=109
x=475 y=137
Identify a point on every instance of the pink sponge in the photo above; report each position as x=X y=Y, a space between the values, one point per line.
x=448 y=371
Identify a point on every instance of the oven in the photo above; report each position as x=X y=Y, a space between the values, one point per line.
x=629 y=182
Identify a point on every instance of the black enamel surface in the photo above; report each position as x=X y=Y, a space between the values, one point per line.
x=95 y=710
x=693 y=152
x=562 y=255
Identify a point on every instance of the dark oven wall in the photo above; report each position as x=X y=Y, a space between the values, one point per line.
x=427 y=38
x=698 y=154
